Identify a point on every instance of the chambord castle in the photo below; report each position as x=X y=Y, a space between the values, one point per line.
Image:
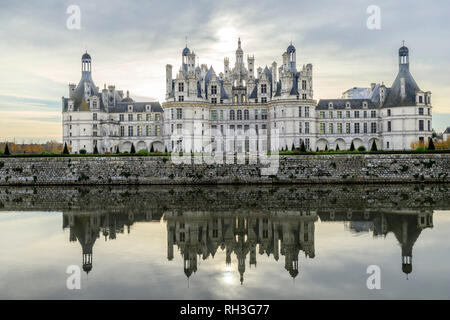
x=244 y=109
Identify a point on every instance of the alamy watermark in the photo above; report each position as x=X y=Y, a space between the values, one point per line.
x=73 y=22
x=374 y=20
x=73 y=282
x=374 y=280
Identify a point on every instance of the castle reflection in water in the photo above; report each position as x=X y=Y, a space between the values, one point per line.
x=243 y=233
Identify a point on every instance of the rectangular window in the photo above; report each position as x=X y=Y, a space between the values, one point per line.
x=421 y=125
x=299 y=127
x=264 y=114
x=130 y=131
x=339 y=114
x=130 y=117
x=148 y=130
x=264 y=88
x=307 y=127
x=232 y=115
x=330 y=128
x=365 y=127
x=214 y=100
x=239 y=114
x=95 y=133
x=389 y=126
x=306 y=112
x=148 y=117
x=322 y=115
x=94 y=116
x=322 y=128
x=365 y=114
x=158 y=130
x=213 y=115
x=213 y=89
x=304 y=96
x=420 y=99
x=421 y=111
x=122 y=131
x=179 y=128
x=246 y=115
x=347 y=128
x=121 y=117
x=373 y=127
x=339 y=128
x=263 y=100
x=356 y=128
x=330 y=114
x=180 y=98
x=373 y=114
x=299 y=112
x=347 y=114
x=139 y=131
x=389 y=112
x=256 y=114
x=179 y=113
x=429 y=125
x=303 y=84
x=157 y=117
x=181 y=87
x=356 y=114
x=139 y=117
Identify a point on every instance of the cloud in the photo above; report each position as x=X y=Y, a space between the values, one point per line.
x=132 y=41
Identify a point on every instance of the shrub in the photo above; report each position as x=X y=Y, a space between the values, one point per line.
x=117 y=150
x=374 y=146
x=65 y=150
x=431 y=144
x=133 y=150
x=303 y=147
x=95 y=149
x=352 y=147
x=361 y=148
x=143 y=152
x=83 y=151
x=326 y=147
x=152 y=149
x=293 y=147
x=337 y=147
x=420 y=149
x=6 y=153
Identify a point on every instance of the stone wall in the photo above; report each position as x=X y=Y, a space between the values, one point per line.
x=357 y=168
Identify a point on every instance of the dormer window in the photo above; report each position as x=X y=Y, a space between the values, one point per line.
x=264 y=88
x=330 y=104
x=365 y=104
x=147 y=107
x=181 y=87
x=130 y=108
x=213 y=89
x=347 y=104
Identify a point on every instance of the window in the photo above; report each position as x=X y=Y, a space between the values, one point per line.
x=339 y=128
x=122 y=131
x=181 y=87
x=148 y=130
x=94 y=133
x=221 y=114
x=339 y=114
x=429 y=112
x=347 y=114
x=179 y=113
x=373 y=114
x=213 y=89
x=365 y=127
x=157 y=117
x=330 y=128
x=321 y=114
x=139 y=117
x=303 y=84
x=387 y=145
x=307 y=127
x=158 y=130
x=330 y=114
x=139 y=131
x=264 y=88
x=421 y=125
x=130 y=117
x=307 y=145
x=356 y=127
x=389 y=126
x=373 y=127
x=420 y=99
x=179 y=128
x=429 y=125
x=94 y=126
x=246 y=115
x=256 y=114
x=94 y=116
x=322 y=128
x=264 y=114
x=421 y=111
x=246 y=128
x=263 y=100
x=389 y=112
x=306 y=112
x=356 y=114
x=299 y=112
x=148 y=117
x=213 y=115
x=347 y=128
x=299 y=127
x=180 y=98
x=232 y=116
x=304 y=96
x=121 y=117
x=214 y=100
x=130 y=131
x=239 y=114
x=365 y=114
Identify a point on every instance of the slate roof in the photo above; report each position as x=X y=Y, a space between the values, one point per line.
x=394 y=97
x=340 y=104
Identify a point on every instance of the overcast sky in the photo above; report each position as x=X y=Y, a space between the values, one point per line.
x=131 y=42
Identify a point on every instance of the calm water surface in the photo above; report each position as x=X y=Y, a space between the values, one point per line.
x=254 y=242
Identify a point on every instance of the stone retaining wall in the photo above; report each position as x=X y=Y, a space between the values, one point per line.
x=346 y=168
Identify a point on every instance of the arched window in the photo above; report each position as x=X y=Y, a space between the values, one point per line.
x=239 y=114
x=232 y=117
